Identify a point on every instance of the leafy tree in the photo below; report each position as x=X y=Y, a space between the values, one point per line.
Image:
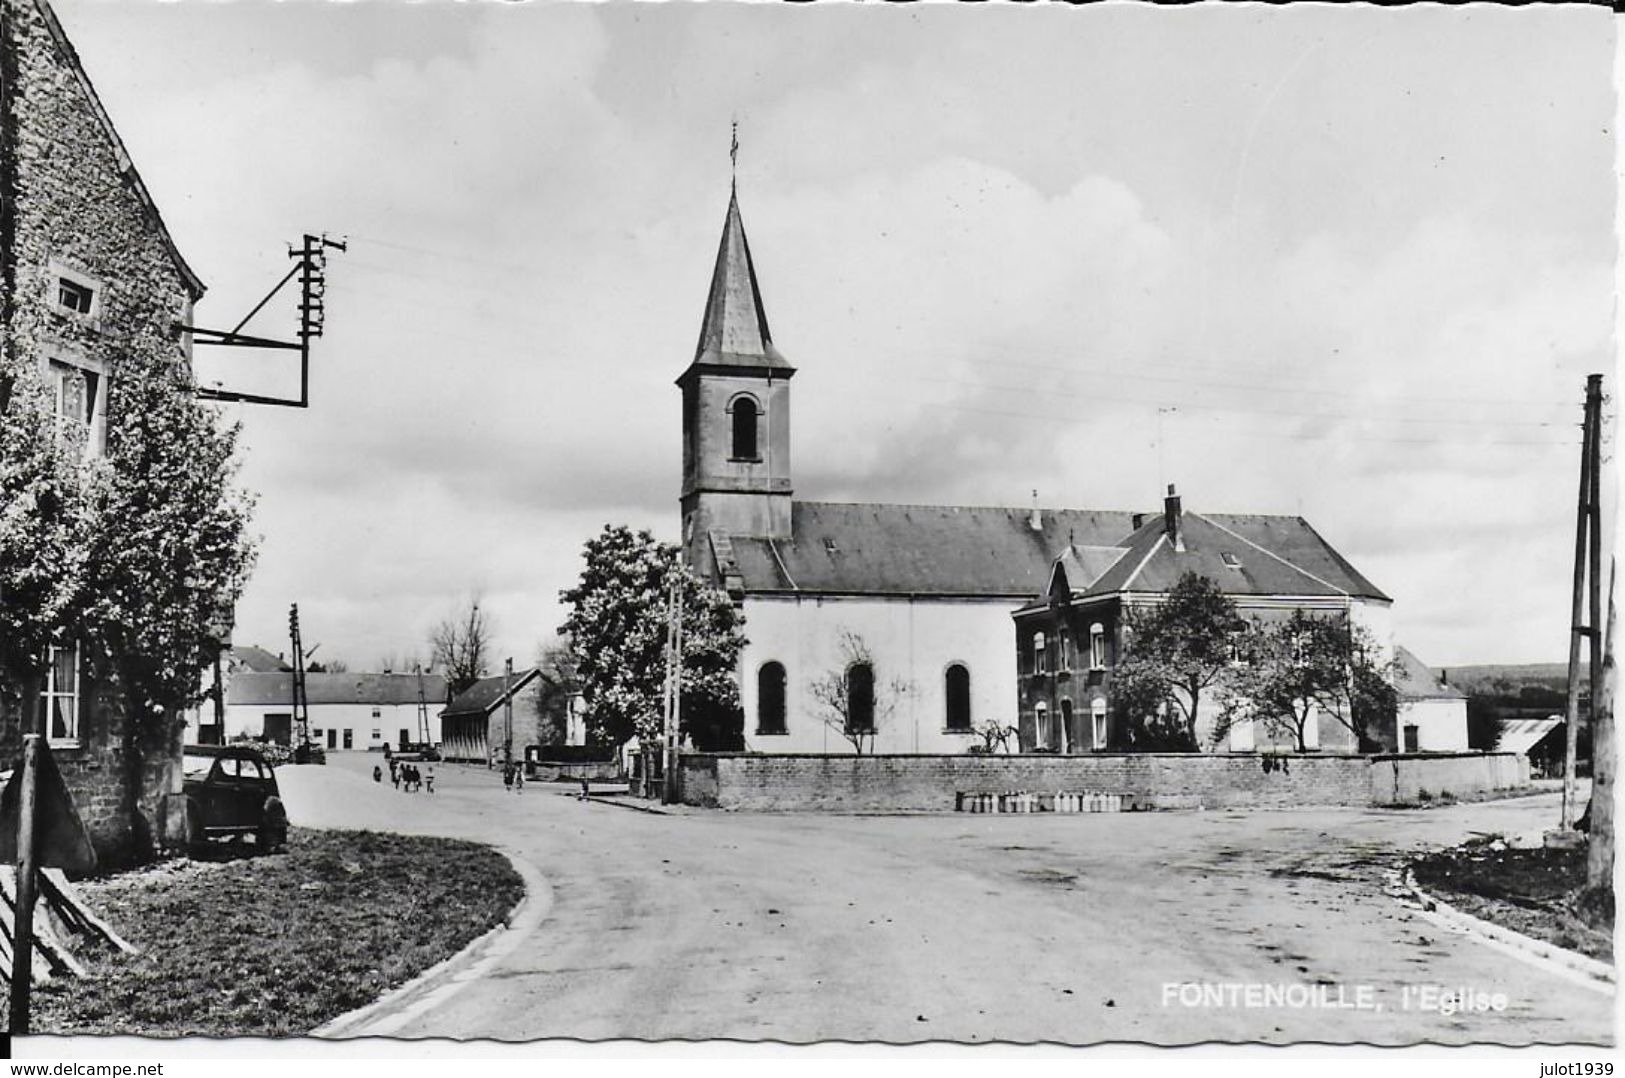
x=1173 y=654
x=47 y=503
x=460 y=645
x=1309 y=665
x=617 y=633
x=138 y=556
x=852 y=709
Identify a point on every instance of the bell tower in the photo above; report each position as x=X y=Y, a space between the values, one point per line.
x=736 y=412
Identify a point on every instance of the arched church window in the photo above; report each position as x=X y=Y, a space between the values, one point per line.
x=770 y=682
x=860 y=698
x=744 y=427
x=956 y=690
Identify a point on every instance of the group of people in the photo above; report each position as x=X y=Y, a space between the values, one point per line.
x=513 y=777
x=407 y=775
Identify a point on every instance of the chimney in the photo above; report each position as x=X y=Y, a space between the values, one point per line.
x=1036 y=521
x=1171 y=520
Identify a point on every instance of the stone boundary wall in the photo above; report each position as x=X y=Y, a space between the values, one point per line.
x=807 y=782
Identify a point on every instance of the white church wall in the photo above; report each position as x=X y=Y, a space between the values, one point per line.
x=912 y=639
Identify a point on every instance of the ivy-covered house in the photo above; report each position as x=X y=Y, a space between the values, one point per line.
x=121 y=536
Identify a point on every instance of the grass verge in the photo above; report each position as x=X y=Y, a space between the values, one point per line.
x=276 y=945
x=1536 y=892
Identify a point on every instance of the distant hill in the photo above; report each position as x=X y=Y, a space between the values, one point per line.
x=1498 y=679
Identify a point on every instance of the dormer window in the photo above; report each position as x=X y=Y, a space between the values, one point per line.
x=745 y=416
x=72 y=293
x=1231 y=560
x=73 y=296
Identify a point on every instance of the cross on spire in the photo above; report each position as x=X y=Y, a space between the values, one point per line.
x=733 y=154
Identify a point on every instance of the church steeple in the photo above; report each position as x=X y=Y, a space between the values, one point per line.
x=734 y=331
x=736 y=411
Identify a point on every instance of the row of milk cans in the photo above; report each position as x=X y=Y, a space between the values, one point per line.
x=1060 y=801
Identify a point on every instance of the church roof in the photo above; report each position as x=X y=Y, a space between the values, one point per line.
x=734 y=332
x=939 y=550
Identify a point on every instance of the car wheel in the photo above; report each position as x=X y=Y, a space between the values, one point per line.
x=273 y=832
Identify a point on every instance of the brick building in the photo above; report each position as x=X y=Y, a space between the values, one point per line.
x=90 y=279
x=1068 y=639
x=929 y=589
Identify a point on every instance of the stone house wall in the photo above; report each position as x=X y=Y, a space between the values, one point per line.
x=73 y=208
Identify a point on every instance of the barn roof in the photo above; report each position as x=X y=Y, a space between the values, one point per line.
x=487 y=694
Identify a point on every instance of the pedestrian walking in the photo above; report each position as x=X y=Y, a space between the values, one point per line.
x=412 y=780
x=377 y=773
x=518 y=779
x=428 y=780
x=507 y=777
x=395 y=775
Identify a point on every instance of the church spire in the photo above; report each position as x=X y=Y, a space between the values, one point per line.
x=734 y=331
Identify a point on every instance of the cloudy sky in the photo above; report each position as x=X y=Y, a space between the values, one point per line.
x=1352 y=264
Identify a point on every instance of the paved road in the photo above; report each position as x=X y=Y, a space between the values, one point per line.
x=970 y=928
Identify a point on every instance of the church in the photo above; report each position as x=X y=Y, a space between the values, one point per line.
x=911 y=606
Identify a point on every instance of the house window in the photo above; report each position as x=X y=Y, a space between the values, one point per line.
x=77 y=390
x=1062 y=660
x=1040 y=665
x=860 y=698
x=1413 y=739
x=770 y=681
x=1066 y=725
x=1041 y=726
x=1097 y=646
x=1097 y=719
x=73 y=296
x=956 y=692
x=744 y=429
x=61 y=695
x=377 y=713
x=72 y=293
x=377 y=734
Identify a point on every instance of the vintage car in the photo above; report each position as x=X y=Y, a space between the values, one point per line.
x=230 y=791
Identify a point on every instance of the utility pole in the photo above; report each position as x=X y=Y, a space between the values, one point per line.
x=507 y=715
x=22 y=928
x=1587 y=549
x=674 y=692
x=1600 y=851
x=423 y=710
x=301 y=703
